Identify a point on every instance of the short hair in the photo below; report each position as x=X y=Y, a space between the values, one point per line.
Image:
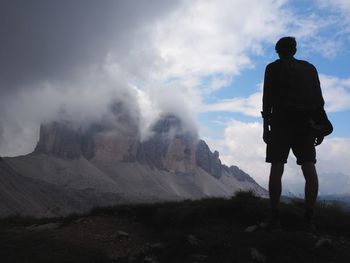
x=286 y=46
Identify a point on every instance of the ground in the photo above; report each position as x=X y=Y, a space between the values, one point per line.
x=210 y=230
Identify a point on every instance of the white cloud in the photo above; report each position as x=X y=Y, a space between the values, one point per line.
x=242 y=145
x=334 y=166
x=341 y=5
x=182 y=101
x=167 y=56
x=204 y=38
x=338 y=14
x=250 y=106
x=336 y=92
x=335 y=155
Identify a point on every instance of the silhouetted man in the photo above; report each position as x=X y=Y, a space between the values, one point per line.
x=291 y=93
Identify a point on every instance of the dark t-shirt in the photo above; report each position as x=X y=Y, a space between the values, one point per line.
x=291 y=88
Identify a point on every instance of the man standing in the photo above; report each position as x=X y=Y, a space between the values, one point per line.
x=291 y=94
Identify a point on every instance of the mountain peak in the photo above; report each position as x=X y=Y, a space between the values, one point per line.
x=207 y=160
x=60 y=138
x=171 y=126
x=171 y=146
x=166 y=123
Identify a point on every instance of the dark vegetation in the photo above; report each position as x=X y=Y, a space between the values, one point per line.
x=209 y=230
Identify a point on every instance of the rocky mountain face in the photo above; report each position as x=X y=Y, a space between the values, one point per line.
x=114 y=138
x=106 y=163
x=207 y=160
x=170 y=148
x=61 y=139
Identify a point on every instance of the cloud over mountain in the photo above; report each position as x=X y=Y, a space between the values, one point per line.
x=74 y=59
x=81 y=55
x=56 y=57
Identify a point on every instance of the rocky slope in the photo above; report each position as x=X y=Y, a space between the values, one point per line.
x=208 y=230
x=107 y=163
x=22 y=195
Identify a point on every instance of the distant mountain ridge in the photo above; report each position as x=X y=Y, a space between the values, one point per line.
x=343 y=200
x=107 y=163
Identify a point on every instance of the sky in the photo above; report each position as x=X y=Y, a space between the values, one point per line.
x=203 y=60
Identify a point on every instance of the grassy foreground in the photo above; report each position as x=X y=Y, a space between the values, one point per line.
x=209 y=230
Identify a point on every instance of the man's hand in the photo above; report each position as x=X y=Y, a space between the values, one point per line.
x=318 y=140
x=267 y=132
x=266 y=135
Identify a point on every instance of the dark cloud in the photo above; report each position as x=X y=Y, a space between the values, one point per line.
x=51 y=40
x=53 y=57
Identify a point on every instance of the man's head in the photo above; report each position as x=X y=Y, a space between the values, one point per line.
x=286 y=47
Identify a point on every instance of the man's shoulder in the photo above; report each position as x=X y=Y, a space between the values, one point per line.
x=298 y=64
x=273 y=65
x=305 y=63
x=278 y=62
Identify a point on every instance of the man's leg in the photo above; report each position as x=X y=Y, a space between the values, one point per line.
x=275 y=188
x=311 y=188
